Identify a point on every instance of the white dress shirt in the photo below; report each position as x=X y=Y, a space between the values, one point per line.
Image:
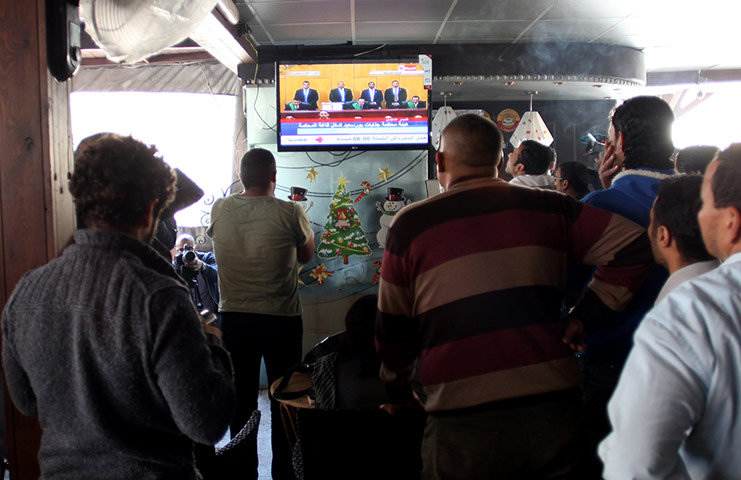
x=676 y=412
x=541 y=181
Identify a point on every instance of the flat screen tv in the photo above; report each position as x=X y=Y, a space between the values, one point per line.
x=384 y=105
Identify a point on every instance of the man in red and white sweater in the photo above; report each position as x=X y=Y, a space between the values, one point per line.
x=469 y=308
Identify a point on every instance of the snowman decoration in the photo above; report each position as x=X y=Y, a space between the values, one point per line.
x=394 y=202
x=298 y=196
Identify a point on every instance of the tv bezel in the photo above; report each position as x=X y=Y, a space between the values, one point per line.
x=346 y=147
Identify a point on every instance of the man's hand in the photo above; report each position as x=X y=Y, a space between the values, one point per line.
x=573 y=333
x=212 y=329
x=395 y=408
x=609 y=165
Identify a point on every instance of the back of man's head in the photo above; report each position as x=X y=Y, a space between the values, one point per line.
x=473 y=141
x=695 y=159
x=257 y=168
x=115 y=181
x=727 y=178
x=676 y=208
x=535 y=157
x=578 y=176
x=646 y=125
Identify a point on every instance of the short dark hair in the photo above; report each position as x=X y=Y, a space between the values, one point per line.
x=695 y=159
x=536 y=157
x=256 y=168
x=116 y=179
x=646 y=124
x=727 y=178
x=477 y=140
x=578 y=176
x=676 y=207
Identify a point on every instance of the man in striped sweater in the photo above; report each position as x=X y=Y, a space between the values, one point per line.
x=472 y=285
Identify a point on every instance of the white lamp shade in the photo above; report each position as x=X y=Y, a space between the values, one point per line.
x=531 y=127
x=132 y=30
x=441 y=119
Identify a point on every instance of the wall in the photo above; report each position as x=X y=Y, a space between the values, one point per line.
x=35 y=208
x=325 y=305
x=568 y=121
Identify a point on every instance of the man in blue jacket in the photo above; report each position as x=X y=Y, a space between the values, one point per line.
x=637 y=157
x=200 y=271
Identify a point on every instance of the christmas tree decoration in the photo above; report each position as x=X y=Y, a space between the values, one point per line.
x=376 y=264
x=365 y=191
x=321 y=273
x=311 y=174
x=385 y=174
x=343 y=234
x=298 y=274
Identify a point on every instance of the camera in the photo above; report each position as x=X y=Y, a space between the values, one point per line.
x=188 y=255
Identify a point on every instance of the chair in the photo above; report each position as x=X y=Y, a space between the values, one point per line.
x=358 y=444
x=236 y=459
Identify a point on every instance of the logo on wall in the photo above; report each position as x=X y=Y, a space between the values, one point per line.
x=508 y=120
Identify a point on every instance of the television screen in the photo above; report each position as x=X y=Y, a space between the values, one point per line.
x=352 y=105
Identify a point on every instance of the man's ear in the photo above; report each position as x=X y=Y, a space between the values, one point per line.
x=663 y=236
x=440 y=160
x=518 y=168
x=565 y=184
x=733 y=220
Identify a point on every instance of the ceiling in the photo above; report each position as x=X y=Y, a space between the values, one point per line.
x=697 y=39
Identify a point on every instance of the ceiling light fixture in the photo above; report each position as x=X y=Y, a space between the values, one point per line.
x=531 y=127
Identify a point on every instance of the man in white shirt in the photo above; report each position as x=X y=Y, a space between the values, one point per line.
x=675 y=235
x=675 y=411
x=529 y=164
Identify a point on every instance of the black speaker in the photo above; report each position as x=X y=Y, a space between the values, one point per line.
x=63 y=30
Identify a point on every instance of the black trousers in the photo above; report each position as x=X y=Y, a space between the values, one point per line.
x=521 y=438
x=249 y=337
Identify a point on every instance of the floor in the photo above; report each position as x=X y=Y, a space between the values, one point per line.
x=264 y=450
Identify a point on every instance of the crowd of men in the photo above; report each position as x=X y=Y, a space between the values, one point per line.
x=371 y=98
x=547 y=332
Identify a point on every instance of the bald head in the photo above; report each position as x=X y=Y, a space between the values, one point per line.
x=185 y=239
x=472 y=141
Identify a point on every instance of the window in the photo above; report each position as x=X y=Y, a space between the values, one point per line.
x=192 y=131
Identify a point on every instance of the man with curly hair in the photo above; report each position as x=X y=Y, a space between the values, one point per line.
x=104 y=344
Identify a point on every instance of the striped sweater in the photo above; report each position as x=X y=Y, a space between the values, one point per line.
x=472 y=286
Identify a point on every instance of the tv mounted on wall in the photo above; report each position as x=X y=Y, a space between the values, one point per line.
x=321 y=118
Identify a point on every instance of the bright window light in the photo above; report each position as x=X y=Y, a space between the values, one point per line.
x=192 y=131
x=712 y=121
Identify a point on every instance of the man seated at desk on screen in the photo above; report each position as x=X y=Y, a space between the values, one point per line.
x=415 y=102
x=297 y=105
